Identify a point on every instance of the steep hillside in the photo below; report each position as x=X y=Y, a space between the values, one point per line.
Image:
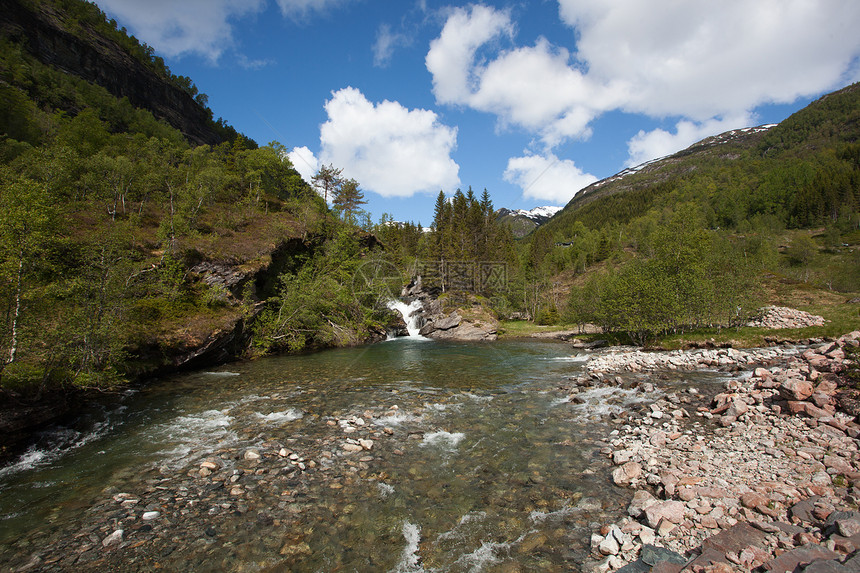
x=75 y=38
x=802 y=171
x=697 y=240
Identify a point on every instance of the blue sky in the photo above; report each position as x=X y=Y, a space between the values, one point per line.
x=530 y=100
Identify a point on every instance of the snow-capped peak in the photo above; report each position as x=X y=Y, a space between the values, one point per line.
x=539 y=212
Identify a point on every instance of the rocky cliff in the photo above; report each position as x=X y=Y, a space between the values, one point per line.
x=97 y=59
x=452 y=316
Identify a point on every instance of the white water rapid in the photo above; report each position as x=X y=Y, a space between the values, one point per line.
x=409 y=313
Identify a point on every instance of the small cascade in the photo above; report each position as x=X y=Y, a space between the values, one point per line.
x=410 y=313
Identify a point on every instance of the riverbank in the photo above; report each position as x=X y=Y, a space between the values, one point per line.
x=765 y=474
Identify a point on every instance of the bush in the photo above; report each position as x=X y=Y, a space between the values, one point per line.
x=548 y=316
x=22 y=378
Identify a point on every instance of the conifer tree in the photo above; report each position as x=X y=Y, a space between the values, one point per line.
x=347 y=198
x=327 y=180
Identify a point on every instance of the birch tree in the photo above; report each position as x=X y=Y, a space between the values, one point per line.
x=26 y=217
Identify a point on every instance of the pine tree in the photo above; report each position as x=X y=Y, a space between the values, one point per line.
x=440 y=226
x=328 y=180
x=347 y=198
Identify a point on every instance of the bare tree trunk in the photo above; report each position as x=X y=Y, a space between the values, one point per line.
x=13 y=347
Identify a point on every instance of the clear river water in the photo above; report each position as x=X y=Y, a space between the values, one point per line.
x=477 y=462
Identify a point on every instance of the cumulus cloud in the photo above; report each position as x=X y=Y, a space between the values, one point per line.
x=705 y=62
x=534 y=87
x=645 y=146
x=547 y=178
x=703 y=59
x=178 y=28
x=451 y=59
x=305 y=162
x=389 y=149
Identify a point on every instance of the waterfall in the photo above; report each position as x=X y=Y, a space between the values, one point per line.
x=410 y=313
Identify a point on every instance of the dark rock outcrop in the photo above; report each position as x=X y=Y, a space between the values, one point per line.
x=99 y=60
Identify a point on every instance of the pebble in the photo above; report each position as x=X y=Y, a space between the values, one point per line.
x=114 y=538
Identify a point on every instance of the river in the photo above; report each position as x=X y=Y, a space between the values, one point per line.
x=477 y=462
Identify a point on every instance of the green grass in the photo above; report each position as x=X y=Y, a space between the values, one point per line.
x=524 y=328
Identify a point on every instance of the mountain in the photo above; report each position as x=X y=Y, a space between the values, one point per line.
x=801 y=172
x=523 y=222
x=593 y=191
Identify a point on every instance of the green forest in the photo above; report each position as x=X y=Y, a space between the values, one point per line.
x=124 y=248
x=105 y=212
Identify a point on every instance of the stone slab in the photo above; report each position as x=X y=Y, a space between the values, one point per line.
x=735 y=539
x=823 y=566
x=652 y=555
x=667 y=567
x=637 y=566
x=708 y=557
x=800 y=557
x=803 y=509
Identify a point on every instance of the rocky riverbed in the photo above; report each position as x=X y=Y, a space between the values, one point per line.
x=764 y=475
x=720 y=476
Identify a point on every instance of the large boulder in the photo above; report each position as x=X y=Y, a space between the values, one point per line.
x=796 y=389
x=626 y=474
x=671 y=511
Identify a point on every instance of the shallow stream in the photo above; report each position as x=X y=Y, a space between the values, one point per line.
x=478 y=462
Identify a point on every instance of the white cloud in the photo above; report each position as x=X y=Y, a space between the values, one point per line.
x=452 y=55
x=249 y=64
x=537 y=87
x=386 y=42
x=698 y=60
x=179 y=28
x=302 y=10
x=704 y=59
x=202 y=27
x=305 y=162
x=645 y=146
x=389 y=149
x=547 y=178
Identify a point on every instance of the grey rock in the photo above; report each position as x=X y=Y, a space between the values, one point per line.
x=652 y=555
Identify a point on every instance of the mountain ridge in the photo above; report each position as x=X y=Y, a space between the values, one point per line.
x=710 y=141
x=795 y=170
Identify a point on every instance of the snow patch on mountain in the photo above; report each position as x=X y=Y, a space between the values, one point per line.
x=539 y=215
x=708 y=141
